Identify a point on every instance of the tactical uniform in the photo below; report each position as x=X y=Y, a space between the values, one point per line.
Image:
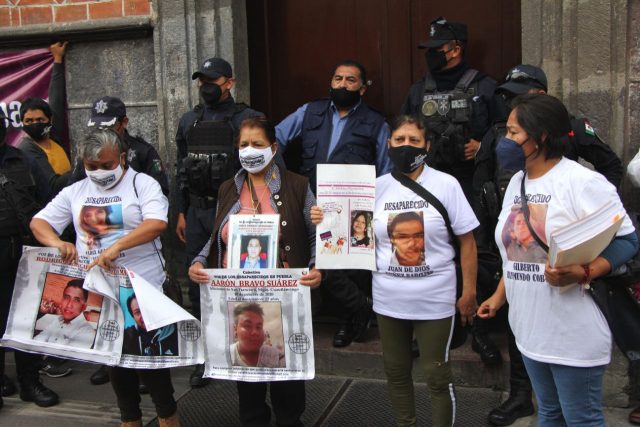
x=206 y=158
x=20 y=180
x=456 y=105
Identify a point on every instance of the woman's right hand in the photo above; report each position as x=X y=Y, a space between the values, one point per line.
x=68 y=252
x=197 y=273
x=316 y=215
x=489 y=307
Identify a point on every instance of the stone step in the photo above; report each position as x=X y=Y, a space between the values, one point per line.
x=364 y=360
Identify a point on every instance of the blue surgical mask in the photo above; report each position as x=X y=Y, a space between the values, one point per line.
x=510 y=154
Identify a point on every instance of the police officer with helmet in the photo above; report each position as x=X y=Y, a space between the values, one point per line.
x=23 y=187
x=206 y=158
x=456 y=103
x=493 y=173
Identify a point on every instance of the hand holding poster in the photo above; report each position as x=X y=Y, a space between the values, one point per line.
x=344 y=238
x=97 y=316
x=257 y=325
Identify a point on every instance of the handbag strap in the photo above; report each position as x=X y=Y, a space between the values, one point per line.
x=432 y=200
x=153 y=242
x=525 y=211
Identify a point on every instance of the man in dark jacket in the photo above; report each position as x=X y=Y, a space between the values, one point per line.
x=23 y=188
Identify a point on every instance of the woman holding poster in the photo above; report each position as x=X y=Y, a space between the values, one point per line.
x=263 y=187
x=414 y=287
x=563 y=337
x=128 y=212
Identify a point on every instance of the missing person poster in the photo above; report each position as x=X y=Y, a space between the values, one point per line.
x=112 y=317
x=253 y=241
x=257 y=325
x=344 y=238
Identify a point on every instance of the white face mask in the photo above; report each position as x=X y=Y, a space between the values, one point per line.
x=105 y=178
x=254 y=160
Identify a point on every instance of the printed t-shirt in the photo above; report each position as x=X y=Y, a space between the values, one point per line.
x=101 y=217
x=57 y=158
x=553 y=325
x=415 y=277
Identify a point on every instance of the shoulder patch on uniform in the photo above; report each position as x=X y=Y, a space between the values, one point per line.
x=588 y=129
x=156 y=167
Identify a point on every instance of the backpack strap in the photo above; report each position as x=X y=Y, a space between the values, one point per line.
x=525 y=211
x=467 y=78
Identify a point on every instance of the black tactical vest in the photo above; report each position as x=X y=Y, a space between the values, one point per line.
x=17 y=203
x=448 y=115
x=211 y=157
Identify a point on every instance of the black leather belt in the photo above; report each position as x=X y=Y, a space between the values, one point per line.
x=202 y=202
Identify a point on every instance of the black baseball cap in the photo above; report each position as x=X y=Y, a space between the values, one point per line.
x=441 y=31
x=522 y=78
x=106 y=111
x=213 y=68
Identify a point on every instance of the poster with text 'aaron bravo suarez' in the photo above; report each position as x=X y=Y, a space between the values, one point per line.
x=257 y=325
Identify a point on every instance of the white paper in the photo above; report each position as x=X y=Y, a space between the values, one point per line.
x=344 y=238
x=50 y=316
x=276 y=345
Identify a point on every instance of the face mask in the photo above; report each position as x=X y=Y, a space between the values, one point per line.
x=254 y=160
x=105 y=178
x=510 y=154
x=436 y=59
x=407 y=158
x=210 y=93
x=344 y=98
x=37 y=131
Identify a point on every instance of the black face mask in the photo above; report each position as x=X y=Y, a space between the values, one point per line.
x=436 y=59
x=210 y=93
x=37 y=131
x=344 y=98
x=407 y=158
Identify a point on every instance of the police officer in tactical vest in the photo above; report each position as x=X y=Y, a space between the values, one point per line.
x=456 y=102
x=23 y=188
x=206 y=158
x=491 y=180
x=341 y=130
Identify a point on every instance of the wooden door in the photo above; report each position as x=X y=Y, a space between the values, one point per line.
x=295 y=44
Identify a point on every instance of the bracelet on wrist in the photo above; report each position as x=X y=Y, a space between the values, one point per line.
x=586 y=278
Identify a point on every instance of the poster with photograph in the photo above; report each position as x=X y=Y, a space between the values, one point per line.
x=344 y=238
x=253 y=241
x=257 y=325
x=52 y=311
x=63 y=310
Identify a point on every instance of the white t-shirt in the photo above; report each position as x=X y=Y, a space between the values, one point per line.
x=100 y=217
x=78 y=332
x=415 y=277
x=551 y=326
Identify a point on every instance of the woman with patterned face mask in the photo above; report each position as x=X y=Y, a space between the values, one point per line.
x=127 y=211
x=263 y=187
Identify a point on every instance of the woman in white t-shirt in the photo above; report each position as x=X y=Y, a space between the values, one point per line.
x=564 y=338
x=135 y=224
x=414 y=287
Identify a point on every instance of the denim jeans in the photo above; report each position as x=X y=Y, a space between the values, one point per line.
x=567 y=395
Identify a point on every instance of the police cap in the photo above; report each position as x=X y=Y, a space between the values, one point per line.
x=106 y=111
x=523 y=78
x=213 y=68
x=441 y=31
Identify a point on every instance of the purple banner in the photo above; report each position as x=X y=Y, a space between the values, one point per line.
x=24 y=74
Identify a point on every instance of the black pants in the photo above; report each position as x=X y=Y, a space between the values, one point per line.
x=125 y=383
x=198 y=229
x=287 y=401
x=349 y=288
x=27 y=364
